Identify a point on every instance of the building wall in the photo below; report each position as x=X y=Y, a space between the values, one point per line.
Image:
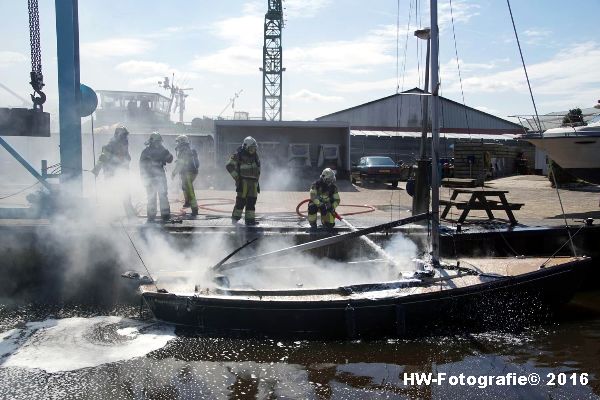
x=274 y=141
x=405 y=149
x=469 y=159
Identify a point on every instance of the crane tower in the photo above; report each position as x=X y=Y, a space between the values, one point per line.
x=272 y=62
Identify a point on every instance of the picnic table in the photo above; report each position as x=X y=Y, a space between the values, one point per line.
x=480 y=199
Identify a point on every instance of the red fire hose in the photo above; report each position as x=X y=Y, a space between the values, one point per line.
x=338 y=216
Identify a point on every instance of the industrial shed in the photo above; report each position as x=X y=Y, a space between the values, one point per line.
x=402 y=113
x=392 y=126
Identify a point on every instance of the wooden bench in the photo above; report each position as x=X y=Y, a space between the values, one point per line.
x=493 y=205
x=480 y=200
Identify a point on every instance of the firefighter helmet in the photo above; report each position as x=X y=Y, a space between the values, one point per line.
x=154 y=138
x=249 y=143
x=121 y=132
x=182 y=139
x=328 y=176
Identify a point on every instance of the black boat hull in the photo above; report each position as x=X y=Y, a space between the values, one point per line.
x=503 y=303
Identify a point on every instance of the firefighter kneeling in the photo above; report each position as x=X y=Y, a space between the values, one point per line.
x=324 y=198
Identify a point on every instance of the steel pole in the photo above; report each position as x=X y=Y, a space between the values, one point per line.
x=69 y=94
x=420 y=203
x=435 y=137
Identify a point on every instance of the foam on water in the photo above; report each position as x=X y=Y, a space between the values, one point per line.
x=73 y=343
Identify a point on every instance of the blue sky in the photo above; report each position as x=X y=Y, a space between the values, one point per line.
x=338 y=53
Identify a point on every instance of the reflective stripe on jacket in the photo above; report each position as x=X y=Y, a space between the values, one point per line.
x=242 y=164
x=321 y=193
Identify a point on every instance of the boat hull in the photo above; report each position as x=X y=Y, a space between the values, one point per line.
x=576 y=154
x=507 y=302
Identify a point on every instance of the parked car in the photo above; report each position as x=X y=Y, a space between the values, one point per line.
x=377 y=169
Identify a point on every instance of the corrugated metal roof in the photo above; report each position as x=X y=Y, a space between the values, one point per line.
x=405 y=110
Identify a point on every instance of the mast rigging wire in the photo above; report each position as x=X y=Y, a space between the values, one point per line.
x=138 y=254
x=537 y=119
x=459 y=73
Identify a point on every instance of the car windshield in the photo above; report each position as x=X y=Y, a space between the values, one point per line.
x=381 y=161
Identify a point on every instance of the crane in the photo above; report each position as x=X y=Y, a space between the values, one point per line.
x=272 y=71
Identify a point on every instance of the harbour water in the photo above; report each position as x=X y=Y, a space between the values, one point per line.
x=84 y=352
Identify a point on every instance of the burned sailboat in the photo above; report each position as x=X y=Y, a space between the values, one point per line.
x=501 y=292
x=447 y=296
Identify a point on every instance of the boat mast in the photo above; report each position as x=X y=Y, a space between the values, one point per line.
x=435 y=137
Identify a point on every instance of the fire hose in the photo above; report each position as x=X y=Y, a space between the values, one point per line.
x=380 y=251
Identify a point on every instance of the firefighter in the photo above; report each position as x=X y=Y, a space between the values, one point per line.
x=324 y=198
x=244 y=167
x=152 y=168
x=186 y=166
x=114 y=160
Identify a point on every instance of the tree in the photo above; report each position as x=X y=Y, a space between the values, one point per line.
x=573 y=118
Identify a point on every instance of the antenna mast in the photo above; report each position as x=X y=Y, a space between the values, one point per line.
x=272 y=62
x=177 y=94
x=231 y=102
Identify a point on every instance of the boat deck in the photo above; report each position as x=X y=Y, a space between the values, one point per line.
x=489 y=269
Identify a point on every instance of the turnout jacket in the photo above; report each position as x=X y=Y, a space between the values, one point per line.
x=187 y=160
x=115 y=155
x=243 y=165
x=153 y=161
x=321 y=193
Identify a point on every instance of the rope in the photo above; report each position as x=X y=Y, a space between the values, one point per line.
x=138 y=254
x=524 y=67
x=19 y=192
x=368 y=209
x=562 y=209
x=564 y=244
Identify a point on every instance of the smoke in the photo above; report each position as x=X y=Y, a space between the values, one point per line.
x=81 y=253
x=304 y=270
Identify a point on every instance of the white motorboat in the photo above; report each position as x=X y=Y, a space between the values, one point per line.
x=575 y=149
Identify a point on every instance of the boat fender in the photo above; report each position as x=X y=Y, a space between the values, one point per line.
x=350 y=322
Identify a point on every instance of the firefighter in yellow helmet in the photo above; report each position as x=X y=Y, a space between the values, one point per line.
x=114 y=160
x=152 y=168
x=186 y=166
x=324 y=199
x=244 y=168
